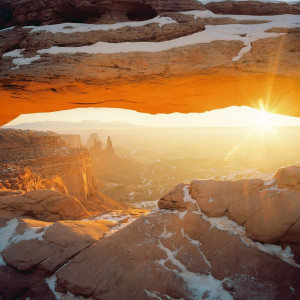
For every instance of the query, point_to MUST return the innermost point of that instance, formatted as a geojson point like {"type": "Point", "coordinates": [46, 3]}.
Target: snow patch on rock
{"type": "Point", "coordinates": [69, 28]}
{"type": "Point", "coordinates": [270, 182]}
{"type": "Point", "coordinates": [19, 59]}
{"type": "Point", "coordinates": [200, 286]}
{"type": "Point", "coordinates": [8, 235]}
{"type": "Point", "coordinates": [246, 33]}
{"type": "Point", "coordinates": [225, 224]}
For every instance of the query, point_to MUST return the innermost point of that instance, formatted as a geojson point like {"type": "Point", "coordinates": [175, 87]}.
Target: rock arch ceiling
{"type": "Point", "coordinates": [186, 59]}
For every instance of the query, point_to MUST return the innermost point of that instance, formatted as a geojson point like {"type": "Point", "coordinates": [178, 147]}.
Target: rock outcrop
{"type": "Point", "coordinates": [188, 59]}
{"type": "Point", "coordinates": [72, 140]}
{"type": "Point", "coordinates": [39, 160]}
{"type": "Point", "coordinates": [32, 250]}
{"type": "Point", "coordinates": [45, 205]}
{"type": "Point", "coordinates": [258, 8]}
{"type": "Point", "coordinates": [184, 258]}
{"type": "Point", "coordinates": [185, 251]}
{"type": "Point", "coordinates": [269, 210]}
{"type": "Point", "coordinates": [90, 143]}
{"type": "Point", "coordinates": [174, 199]}
{"type": "Point", "coordinates": [15, 177]}
{"type": "Point", "coordinates": [23, 13]}
{"type": "Point", "coordinates": [58, 242]}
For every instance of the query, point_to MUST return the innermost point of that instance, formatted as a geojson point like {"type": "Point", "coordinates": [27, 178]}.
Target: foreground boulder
{"type": "Point", "coordinates": [56, 243]}
{"type": "Point", "coordinates": [177, 256]}
{"type": "Point", "coordinates": [180, 252]}
{"type": "Point", "coordinates": [269, 210]}
{"type": "Point", "coordinates": [288, 177]}
{"type": "Point", "coordinates": [46, 205]}
{"type": "Point", "coordinates": [32, 250]}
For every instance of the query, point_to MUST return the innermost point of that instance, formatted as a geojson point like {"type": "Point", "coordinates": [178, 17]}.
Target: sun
{"type": "Point", "coordinates": [264, 119]}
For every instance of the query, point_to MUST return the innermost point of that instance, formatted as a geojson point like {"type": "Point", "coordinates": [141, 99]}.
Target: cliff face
{"type": "Point", "coordinates": [15, 177]}
{"type": "Point", "coordinates": [72, 140]}
{"type": "Point", "coordinates": [36, 160]}
{"type": "Point", "coordinates": [74, 169]}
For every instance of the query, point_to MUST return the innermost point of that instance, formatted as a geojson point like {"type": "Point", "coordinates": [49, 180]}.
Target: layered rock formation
{"type": "Point", "coordinates": [196, 252]}
{"type": "Point", "coordinates": [34, 161]}
{"type": "Point", "coordinates": [258, 8]}
{"type": "Point", "coordinates": [22, 13]}
{"type": "Point", "coordinates": [24, 178]}
{"type": "Point", "coordinates": [187, 61]}
{"type": "Point", "coordinates": [45, 205]}
{"type": "Point", "coordinates": [72, 140]}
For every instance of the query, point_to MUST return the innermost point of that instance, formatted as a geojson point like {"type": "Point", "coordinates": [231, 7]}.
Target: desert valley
{"type": "Point", "coordinates": [149, 150]}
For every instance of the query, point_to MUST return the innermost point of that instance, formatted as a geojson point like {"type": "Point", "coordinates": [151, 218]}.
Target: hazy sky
{"type": "Point", "coordinates": [228, 117]}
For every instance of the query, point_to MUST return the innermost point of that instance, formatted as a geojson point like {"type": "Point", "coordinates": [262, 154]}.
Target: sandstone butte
{"type": "Point", "coordinates": [188, 72]}
{"type": "Point", "coordinates": [208, 240]}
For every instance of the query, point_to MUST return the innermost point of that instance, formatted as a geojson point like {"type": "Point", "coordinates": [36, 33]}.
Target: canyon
{"type": "Point", "coordinates": [211, 239]}
{"type": "Point", "coordinates": [211, 236]}
{"type": "Point", "coordinates": [32, 160]}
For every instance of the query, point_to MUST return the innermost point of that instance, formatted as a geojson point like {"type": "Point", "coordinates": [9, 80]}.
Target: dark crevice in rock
{"type": "Point", "coordinates": [141, 13]}
{"type": "Point", "coordinates": [104, 101]}
{"type": "Point", "coordinates": [287, 231]}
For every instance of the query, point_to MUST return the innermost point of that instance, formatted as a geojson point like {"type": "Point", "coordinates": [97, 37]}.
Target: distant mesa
{"type": "Point", "coordinates": [93, 137]}
{"type": "Point", "coordinates": [72, 140]}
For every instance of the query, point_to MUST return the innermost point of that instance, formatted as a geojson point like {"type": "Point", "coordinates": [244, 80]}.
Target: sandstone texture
{"type": "Point", "coordinates": [247, 249]}
{"type": "Point", "coordinates": [32, 250]}
{"type": "Point", "coordinates": [179, 260]}
{"type": "Point", "coordinates": [253, 8]}
{"type": "Point", "coordinates": [178, 79]}
{"type": "Point", "coordinates": [14, 177]}
{"type": "Point", "coordinates": [72, 140]}
{"type": "Point", "coordinates": [173, 200]}
{"type": "Point", "coordinates": [269, 210]}
{"type": "Point", "coordinates": [91, 11]}
{"type": "Point", "coordinates": [43, 205]}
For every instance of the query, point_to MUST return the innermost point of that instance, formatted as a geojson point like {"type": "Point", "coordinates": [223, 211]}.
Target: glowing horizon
{"type": "Point", "coordinates": [234, 116]}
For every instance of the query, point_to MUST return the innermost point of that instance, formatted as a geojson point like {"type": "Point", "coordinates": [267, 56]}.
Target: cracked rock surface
{"type": "Point", "coordinates": [183, 250]}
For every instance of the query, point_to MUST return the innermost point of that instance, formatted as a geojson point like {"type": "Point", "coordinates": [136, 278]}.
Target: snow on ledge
{"type": "Point", "coordinates": [69, 28]}
{"type": "Point", "coordinates": [246, 33]}
{"type": "Point", "coordinates": [9, 236]}
{"type": "Point", "coordinates": [19, 59]}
